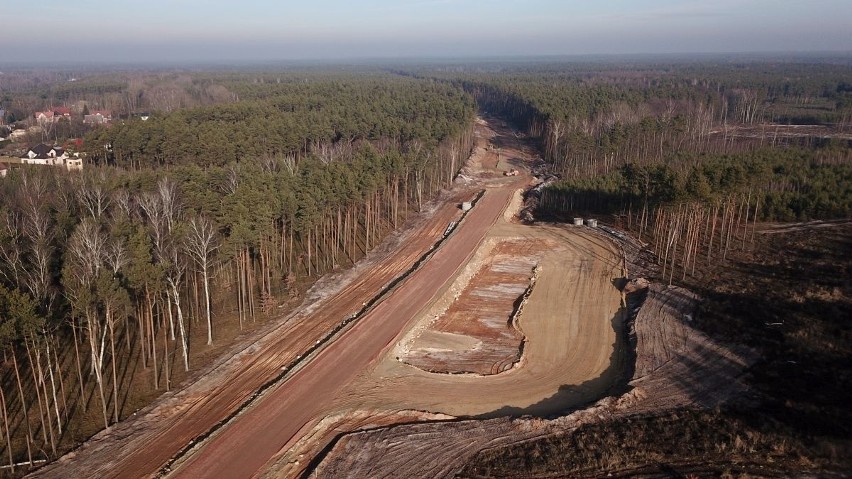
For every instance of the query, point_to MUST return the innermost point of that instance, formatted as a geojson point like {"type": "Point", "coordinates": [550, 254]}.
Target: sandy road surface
{"type": "Point", "coordinates": [253, 438]}
{"type": "Point", "coordinates": [573, 351]}
{"type": "Point", "coordinates": [571, 356]}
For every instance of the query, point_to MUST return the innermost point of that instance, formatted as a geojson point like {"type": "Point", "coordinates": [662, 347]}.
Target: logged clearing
{"type": "Point", "coordinates": [500, 319]}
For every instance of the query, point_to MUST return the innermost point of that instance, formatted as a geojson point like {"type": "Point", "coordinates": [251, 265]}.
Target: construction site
{"type": "Point", "coordinates": [469, 329]}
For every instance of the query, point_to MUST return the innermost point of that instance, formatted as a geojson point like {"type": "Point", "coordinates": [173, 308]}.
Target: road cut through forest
{"type": "Point", "coordinates": [571, 350]}
{"type": "Point", "coordinates": [571, 324]}
{"type": "Point", "coordinates": [569, 330]}
{"type": "Point", "coordinates": [258, 434]}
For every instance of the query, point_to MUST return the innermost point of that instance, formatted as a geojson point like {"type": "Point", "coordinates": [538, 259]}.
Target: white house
{"type": "Point", "coordinates": [42, 154]}
{"type": "Point", "coordinates": [43, 117]}
{"type": "Point", "coordinates": [98, 118]}
{"type": "Point", "coordinates": [74, 163]}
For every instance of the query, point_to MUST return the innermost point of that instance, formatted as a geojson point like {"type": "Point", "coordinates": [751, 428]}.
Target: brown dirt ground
{"type": "Point", "coordinates": [476, 333]}
{"type": "Point", "coordinates": [676, 366]}
{"type": "Point", "coordinates": [288, 411]}
{"type": "Point", "coordinates": [573, 350]}
{"type": "Point", "coordinates": [570, 323]}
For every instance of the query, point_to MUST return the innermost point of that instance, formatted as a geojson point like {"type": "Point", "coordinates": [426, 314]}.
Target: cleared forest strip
{"type": "Point", "coordinates": [147, 441]}
{"type": "Point", "coordinates": [265, 428]}
{"type": "Point", "coordinates": [295, 456]}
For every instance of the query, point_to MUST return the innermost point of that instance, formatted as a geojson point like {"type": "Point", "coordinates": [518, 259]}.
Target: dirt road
{"type": "Point", "coordinates": [571, 351]}
{"type": "Point", "coordinates": [246, 445]}
{"type": "Point", "coordinates": [144, 443]}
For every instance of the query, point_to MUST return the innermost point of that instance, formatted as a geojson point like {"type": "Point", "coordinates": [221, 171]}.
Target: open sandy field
{"type": "Point", "coordinates": [570, 323]}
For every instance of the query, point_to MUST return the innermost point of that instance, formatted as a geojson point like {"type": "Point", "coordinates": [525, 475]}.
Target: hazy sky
{"type": "Point", "coordinates": [210, 30]}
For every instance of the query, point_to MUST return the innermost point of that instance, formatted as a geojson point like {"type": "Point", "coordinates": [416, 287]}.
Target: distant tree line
{"type": "Point", "coordinates": [658, 146]}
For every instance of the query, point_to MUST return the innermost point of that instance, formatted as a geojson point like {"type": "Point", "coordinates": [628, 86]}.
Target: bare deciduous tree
{"type": "Point", "coordinates": [200, 244]}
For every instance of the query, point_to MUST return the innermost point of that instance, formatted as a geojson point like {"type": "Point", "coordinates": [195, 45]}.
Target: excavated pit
{"type": "Point", "coordinates": [476, 332]}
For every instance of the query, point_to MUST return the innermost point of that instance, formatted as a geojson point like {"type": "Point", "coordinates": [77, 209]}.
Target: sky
{"type": "Point", "coordinates": [267, 30]}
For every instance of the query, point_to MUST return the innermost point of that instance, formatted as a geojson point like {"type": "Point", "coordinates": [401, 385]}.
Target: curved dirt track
{"type": "Point", "coordinates": [571, 355]}
{"type": "Point", "coordinates": [676, 366]}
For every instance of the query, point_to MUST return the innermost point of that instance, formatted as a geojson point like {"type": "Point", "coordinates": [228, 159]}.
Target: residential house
{"type": "Point", "coordinates": [99, 117]}
{"type": "Point", "coordinates": [52, 115]}
{"type": "Point", "coordinates": [4, 170]}
{"type": "Point", "coordinates": [43, 117]}
{"type": "Point", "coordinates": [42, 154]}
{"type": "Point", "coordinates": [74, 163]}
